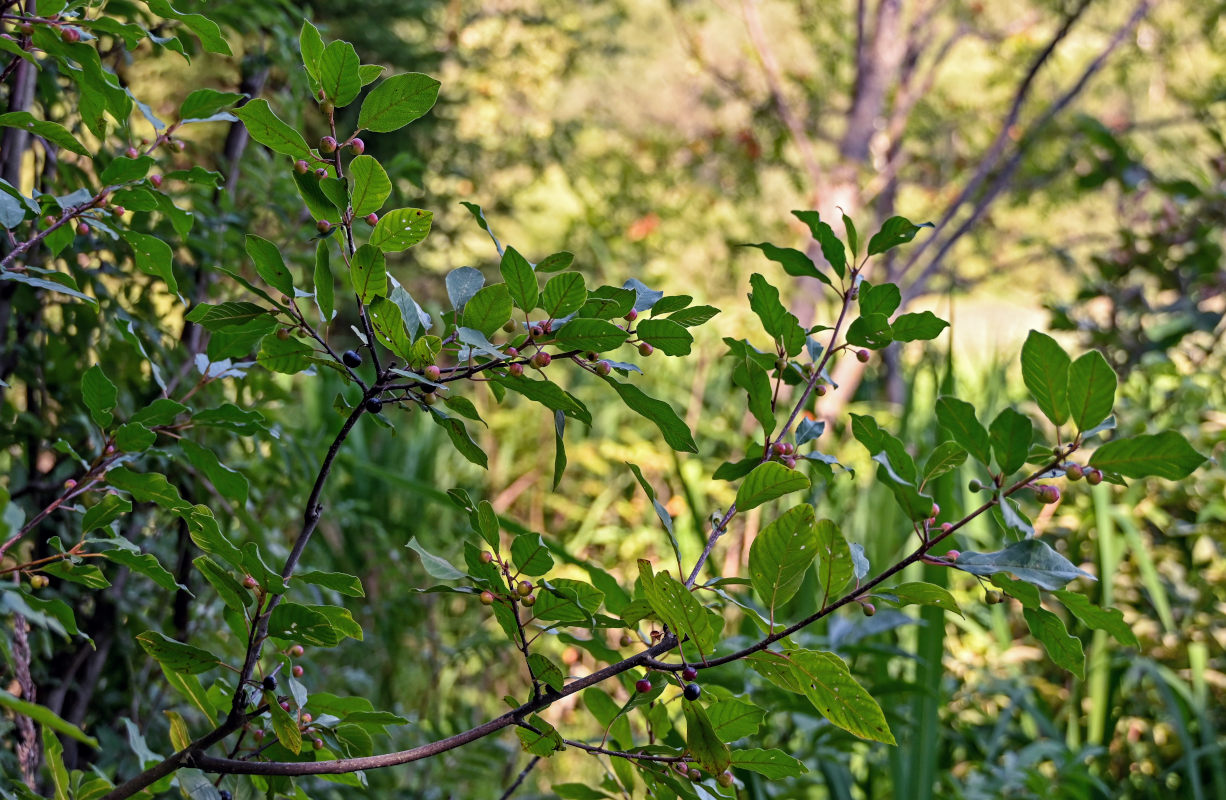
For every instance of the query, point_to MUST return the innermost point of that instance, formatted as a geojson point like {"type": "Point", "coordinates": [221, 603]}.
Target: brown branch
{"type": "Point", "coordinates": [519, 780]}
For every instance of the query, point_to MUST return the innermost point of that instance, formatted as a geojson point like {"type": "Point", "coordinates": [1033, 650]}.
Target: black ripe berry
{"type": "Point", "coordinates": [692, 691]}
{"type": "Point", "coordinates": [352, 359]}
{"type": "Point", "coordinates": [270, 683]}
{"type": "Point", "coordinates": [374, 405]}
{"type": "Point", "coordinates": [689, 674]}
{"type": "Point", "coordinates": [224, 794]}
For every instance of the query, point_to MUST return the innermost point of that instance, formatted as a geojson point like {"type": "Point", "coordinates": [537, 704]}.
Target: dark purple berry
{"type": "Point", "coordinates": [374, 405]}
{"type": "Point", "coordinates": [689, 674]}
{"type": "Point", "coordinates": [352, 359]}
{"type": "Point", "coordinates": [692, 691]}
{"type": "Point", "coordinates": [270, 683]}
{"type": "Point", "coordinates": [642, 685]}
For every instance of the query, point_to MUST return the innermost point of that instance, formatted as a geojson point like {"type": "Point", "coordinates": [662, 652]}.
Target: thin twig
{"type": "Point", "coordinates": [523, 774]}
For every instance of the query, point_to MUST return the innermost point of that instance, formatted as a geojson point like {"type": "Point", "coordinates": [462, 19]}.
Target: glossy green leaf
{"type": "Point", "coordinates": [1091, 390]}
{"type": "Point", "coordinates": [1062, 648]}
{"type": "Point", "coordinates": [590, 334]}
{"type": "Point", "coordinates": [230, 483]}
{"type": "Point", "coordinates": [45, 717]}
{"type": "Point", "coordinates": [835, 567]}
{"type": "Point", "coordinates": [205, 29]}
{"type": "Point", "coordinates": [826, 681]}
{"type": "Point", "coordinates": [773, 764]}
{"type": "Point", "coordinates": [711, 753]}
{"type": "Point", "coordinates": [51, 131]}
{"type": "Point", "coordinates": [530, 555]}
{"type": "Point", "coordinates": [371, 186]}
{"type": "Point", "coordinates": [895, 231]}
{"type": "Point", "coordinates": [488, 309]}
{"type": "Point", "coordinates": [227, 587]}
{"type": "Point", "coordinates": [958, 417]}
{"type": "Point", "coordinates": [152, 256]}
{"type": "Point", "coordinates": [270, 265]}
{"type": "Point", "coordinates": [267, 129]}
{"type": "Point", "coordinates": [223, 315]}
{"type": "Point", "coordinates": [338, 73]}
{"type": "Point", "coordinates": [176, 656]}
{"type": "Point", "coordinates": [924, 594]}
{"type": "Point", "coordinates": [679, 609]}
{"type": "Point", "coordinates": [665, 518]}
{"type": "Point", "coordinates": [435, 566]}
{"type": "Point", "coordinates": [757, 384]}
{"type": "Point", "coordinates": [110, 508]}
{"type": "Point", "coordinates": [564, 294]}
{"type": "Point", "coordinates": [674, 430]}
{"type": "Point", "coordinates": [147, 487]}
{"type": "Point", "coordinates": [666, 336]}
{"type": "Point", "coordinates": [870, 330]}
{"type": "Point", "coordinates": [793, 261]}
{"type": "Point", "coordinates": [1045, 371]}
{"type": "Point", "coordinates": [768, 481]}
{"type": "Point", "coordinates": [324, 286]}
{"type": "Point", "coordinates": [285, 727]}
{"type": "Point", "coordinates": [920, 326]}
{"type": "Point", "coordinates": [125, 170]}
{"type": "Point", "coordinates": [204, 104]}
{"type": "Point", "coordinates": [303, 624]}
{"type": "Point", "coordinates": [832, 248]}
{"type": "Point", "coordinates": [780, 556]}
{"type": "Point", "coordinates": [1031, 560]}
{"type": "Point", "coordinates": [368, 273]}
{"type": "Point", "coordinates": [288, 356]}
{"type": "Point", "coordinates": [398, 101]}
{"type": "Point", "coordinates": [460, 439]}
{"type": "Point", "coordinates": [1110, 620]}
{"type": "Point", "coordinates": [547, 394]}
{"type": "Point", "coordinates": [1164, 455]}
{"type": "Point", "coordinates": [389, 327]}
{"type": "Point", "coordinates": [401, 228]}
{"type": "Point", "coordinates": [520, 279]}
{"type": "Point", "coordinates": [732, 718]}
{"type": "Point", "coordinates": [99, 394]}
{"type": "Point", "coordinates": [1010, 435]}
{"type": "Point", "coordinates": [945, 457]}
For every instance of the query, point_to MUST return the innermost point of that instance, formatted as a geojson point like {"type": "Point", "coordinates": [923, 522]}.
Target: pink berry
{"type": "Point", "coordinates": [372, 219]}
{"type": "Point", "coordinates": [83, 229]}
{"type": "Point", "coordinates": [357, 146]}
{"type": "Point", "coordinates": [432, 373]}
{"type": "Point", "coordinates": [603, 368]}
{"type": "Point", "coordinates": [297, 650]}
{"type": "Point", "coordinates": [323, 226]}
{"type": "Point", "coordinates": [321, 173]}
{"type": "Point", "coordinates": [946, 527]}
{"type": "Point", "coordinates": [952, 555]}
{"type": "Point", "coordinates": [862, 356]}
{"type": "Point", "coordinates": [156, 180]}
{"type": "Point", "coordinates": [632, 316]}
{"type": "Point", "coordinates": [297, 671]}
{"type": "Point", "coordinates": [789, 462]}
{"type": "Point", "coordinates": [70, 35]}
{"type": "Point", "coordinates": [327, 145]}
{"type": "Point", "coordinates": [301, 167]}
{"type": "Point", "coordinates": [516, 369]}
{"type": "Point", "coordinates": [132, 152]}
{"type": "Point", "coordinates": [541, 360]}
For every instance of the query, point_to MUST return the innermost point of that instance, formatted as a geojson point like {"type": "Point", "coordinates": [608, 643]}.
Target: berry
{"type": "Point", "coordinates": [646, 349]}
{"type": "Point", "coordinates": [682, 768]}
{"type": "Point", "coordinates": [862, 356]}
{"type": "Point", "coordinates": [38, 581]}
{"type": "Point", "coordinates": [642, 685]}
{"type": "Point", "coordinates": [529, 600]}
{"type": "Point", "coordinates": [321, 173]}
{"type": "Point", "coordinates": [509, 326]}
{"type": "Point", "coordinates": [327, 107]}
{"type": "Point", "coordinates": [788, 461]}
{"type": "Point", "coordinates": [156, 180]}
{"type": "Point", "coordinates": [512, 352]}
{"type": "Point", "coordinates": [117, 210]}
{"type": "Point", "coordinates": [820, 389]}
{"type": "Point", "coordinates": [725, 778]}
{"type": "Point", "coordinates": [487, 598]}
{"type": "Point", "coordinates": [603, 368]}
{"type": "Point", "coordinates": [319, 744]}
{"type": "Point", "coordinates": [691, 691]}
{"type": "Point", "coordinates": [535, 331]}
{"type": "Point", "coordinates": [301, 167]}
{"type": "Point", "coordinates": [625, 641]}
{"type": "Point", "coordinates": [689, 674]}
{"type": "Point", "coordinates": [994, 597]}
{"type": "Point", "coordinates": [781, 364]}
{"type": "Point", "coordinates": [1094, 477]}
{"type": "Point", "coordinates": [975, 485]}
{"type": "Point", "coordinates": [935, 510]}
{"type": "Point", "coordinates": [323, 226]}
{"type": "Point", "coordinates": [258, 734]}
{"type": "Point", "coordinates": [83, 229]}
{"type": "Point", "coordinates": [778, 449]}
{"type": "Point", "coordinates": [486, 557]}
{"type": "Point", "coordinates": [70, 35]}
{"type": "Point", "coordinates": [1047, 494]}
{"type": "Point", "coordinates": [282, 333]}
{"type": "Point", "coordinates": [432, 372]}
{"type": "Point", "coordinates": [132, 152]}
{"type": "Point", "coordinates": [372, 219]}
{"type": "Point", "coordinates": [516, 369]}
{"type": "Point", "coordinates": [25, 28]}
{"type": "Point", "coordinates": [695, 774]}
{"type": "Point", "coordinates": [250, 582]}
{"type": "Point", "coordinates": [327, 145]}
{"type": "Point", "coordinates": [357, 146]}
{"type": "Point", "coordinates": [307, 717]}
{"type": "Point", "coordinates": [952, 555]}
{"type": "Point", "coordinates": [224, 794]}
{"type": "Point", "coordinates": [524, 588]}
{"type": "Point", "coordinates": [374, 405]}
{"type": "Point", "coordinates": [788, 448]}
{"type": "Point", "coordinates": [270, 683]}
{"type": "Point", "coordinates": [352, 359]}
{"type": "Point", "coordinates": [632, 315]}
{"type": "Point", "coordinates": [1074, 472]}
{"type": "Point", "coordinates": [297, 650]}
{"type": "Point", "coordinates": [946, 527]}
{"type": "Point", "coordinates": [868, 608]}
{"type": "Point", "coordinates": [541, 360]}
{"type": "Point", "coordinates": [284, 705]}
{"type": "Point", "coordinates": [297, 671]}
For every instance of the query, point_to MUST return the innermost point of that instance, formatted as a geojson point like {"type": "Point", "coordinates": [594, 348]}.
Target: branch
{"type": "Point", "coordinates": [523, 774]}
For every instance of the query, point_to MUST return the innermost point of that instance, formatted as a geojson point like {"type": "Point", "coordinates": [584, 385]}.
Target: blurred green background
{"type": "Point", "coordinates": [1073, 156]}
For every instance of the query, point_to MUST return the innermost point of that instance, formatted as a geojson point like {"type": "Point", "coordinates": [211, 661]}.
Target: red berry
{"type": "Point", "coordinates": [83, 229]}
{"type": "Point", "coordinates": [689, 674]}
{"type": "Point", "coordinates": [284, 705]}
{"type": "Point", "coordinates": [789, 462]}
{"type": "Point", "coordinates": [297, 671]}
{"type": "Point", "coordinates": [70, 35]}
{"type": "Point", "coordinates": [321, 173]}
{"type": "Point", "coordinates": [862, 356]}
{"type": "Point", "coordinates": [301, 167]}
{"type": "Point", "coordinates": [117, 210]}
{"type": "Point", "coordinates": [946, 527]}
{"type": "Point", "coordinates": [327, 145]}
{"type": "Point", "coordinates": [516, 369]}
{"type": "Point", "coordinates": [250, 582]}
{"type": "Point", "coordinates": [432, 373]}
{"type": "Point", "coordinates": [820, 389]}
{"type": "Point", "coordinates": [603, 368]}
{"type": "Point", "coordinates": [132, 152]}
{"type": "Point", "coordinates": [512, 352]}
{"type": "Point", "coordinates": [1048, 494]}
{"type": "Point", "coordinates": [788, 448]}
{"type": "Point", "coordinates": [372, 219]}
{"type": "Point", "coordinates": [935, 510]}
{"type": "Point", "coordinates": [642, 685]}
{"type": "Point", "coordinates": [297, 650]}
{"type": "Point", "coordinates": [258, 734]}
{"type": "Point", "coordinates": [778, 449]}
{"type": "Point", "coordinates": [952, 555]}
{"type": "Point", "coordinates": [632, 316]}
{"type": "Point", "coordinates": [1094, 477]}
{"type": "Point", "coordinates": [646, 349]}
{"type": "Point", "coordinates": [357, 146]}
{"type": "Point", "coordinates": [323, 226]}
{"type": "Point", "coordinates": [156, 180]}
{"type": "Point", "coordinates": [541, 360]}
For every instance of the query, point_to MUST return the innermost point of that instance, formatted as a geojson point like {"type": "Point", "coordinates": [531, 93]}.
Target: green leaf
{"type": "Point", "coordinates": [711, 753]}
{"type": "Point", "coordinates": [774, 764]}
{"type": "Point", "coordinates": [555, 262]}
{"type": "Point", "coordinates": [398, 101]}
{"type": "Point", "coordinates": [302, 624]}
{"type": "Point", "coordinates": [661, 512]}
{"type": "Point", "coordinates": [488, 309]}
{"type": "Point", "coordinates": [883, 299]}
{"type": "Point", "coordinates": [530, 555]}
{"type": "Point", "coordinates": [733, 718]}
{"type": "Point", "coordinates": [323, 280]}
{"type": "Point", "coordinates": [435, 566]}
{"type": "Point", "coordinates": [152, 256]}
{"type": "Point", "coordinates": [1031, 560]}
{"type": "Point", "coordinates": [311, 45]}
{"type": "Point", "coordinates": [205, 29]}
{"type": "Point", "coordinates": [204, 104]}
{"type": "Point", "coordinates": [230, 483]}
{"type": "Point", "coordinates": [945, 457]}
{"type": "Point", "coordinates": [826, 681]}
{"type": "Point", "coordinates": [547, 394]}
{"type": "Point", "coordinates": [780, 556]}
{"type": "Point", "coordinates": [176, 656]}
{"type": "Point", "coordinates": [228, 589]}
{"type": "Point", "coordinates": [286, 727]}
{"type": "Point", "coordinates": [912, 327]}
{"type": "Point", "coordinates": [832, 248]}
{"type": "Point", "coordinates": [110, 508]}
{"type": "Point", "coordinates": [546, 671]}
{"type": "Point", "coordinates": [368, 273]}
{"type": "Point", "coordinates": [1110, 620]}
{"type": "Point", "coordinates": [1091, 390]}
{"type": "Point", "coordinates": [389, 327]}
{"type": "Point", "coordinates": [1165, 455]}
{"type": "Point", "coordinates": [267, 129]}
{"type": "Point", "coordinates": [401, 228]}
{"type": "Point", "coordinates": [45, 717]}
{"type": "Point", "coordinates": [676, 434]}
{"type": "Point", "coordinates": [223, 315]}
{"type": "Point", "coordinates": [870, 330]}
{"type": "Point", "coordinates": [756, 383]}
{"type": "Point", "coordinates": [338, 73]}
{"type": "Point", "coordinates": [206, 535]}
{"type": "Point", "coordinates": [835, 567]}
{"type": "Point", "coordinates": [371, 186]}
{"type": "Point", "coordinates": [520, 279]}
{"type": "Point", "coordinates": [288, 356]}
{"type": "Point", "coordinates": [1011, 433]}
{"type": "Point", "coordinates": [348, 585]}
{"type": "Point", "coordinates": [542, 740]}
{"type": "Point", "coordinates": [793, 261]}
{"type": "Point", "coordinates": [564, 294]}
{"type": "Point", "coordinates": [924, 594]}
{"type": "Point", "coordinates": [777, 321]}
{"type": "Point", "coordinates": [677, 607]}
{"type": "Point", "coordinates": [125, 170]}
{"type": "Point", "coordinates": [460, 438]}
{"type": "Point", "coordinates": [134, 438]}
{"type": "Point", "coordinates": [694, 315]}
{"type": "Point", "coordinates": [895, 231]}
{"type": "Point", "coordinates": [1062, 648]}
{"type": "Point", "coordinates": [590, 334]}
{"type": "Point", "coordinates": [958, 417]}
{"type": "Point", "coordinates": [53, 132]}
{"type": "Point", "coordinates": [99, 394]}
{"type": "Point", "coordinates": [53, 753]}
{"type": "Point", "coordinates": [147, 487]}
{"type": "Point", "coordinates": [1009, 514]}
{"type": "Point", "coordinates": [768, 481]}
{"type": "Point", "coordinates": [269, 264]}
{"type": "Point", "coordinates": [667, 336]}
{"type": "Point", "coordinates": [1045, 371]}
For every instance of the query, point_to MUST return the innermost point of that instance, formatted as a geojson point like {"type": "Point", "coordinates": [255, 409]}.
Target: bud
{"type": "Point", "coordinates": [946, 527]}
{"type": "Point", "coordinates": [975, 485]}
{"type": "Point", "coordinates": [820, 389]}
{"type": "Point", "coordinates": [70, 35]}
{"type": "Point", "coordinates": [789, 462]}
{"type": "Point", "coordinates": [516, 369]}
{"type": "Point", "coordinates": [487, 598]}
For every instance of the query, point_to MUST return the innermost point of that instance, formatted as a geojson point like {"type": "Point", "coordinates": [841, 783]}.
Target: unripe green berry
{"type": "Point", "coordinates": [994, 597]}
{"type": "Point", "coordinates": [1094, 477]}
{"type": "Point", "coordinates": [603, 368]}
{"type": "Point", "coordinates": [283, 333]}
{"type": "Point", "coordinates": [868, 608]}
{"type": "Point", "coordinates": [430, 399]}
{"type": "Point", "coordinates": [509, 326]}
{"type": "Point", "coordinates": [487, 598]}
{"type": "Point", "coordinates": [625, 640]}
{"type": "Point", "coordinates": [724, 779]}
{"type": "Point", "coordinates": [781, 364]}
{"type": "Point", "coordinates": [486, 557]}
{"type": "Point", "coordinates": [695, 774]}
{"type": "Point", "coordinates": [327, 107]}
{"type": "Point", "coordinates": [821, 389]}
{"type": "Point", "coordinates": [975, 485]}
{"type": "Point", "coordinates": [327, 145]}
{"type": "Point", "coordinates": [319, 744]}
{"type": "Point", "coordinates": [529, 600]}
{"type": "Point", "coordinates": [1074, 472]}
{"type": "Point", "coordinates": [38, 581]}
{"type": "Point", "coordinates": [323, 226]}
{"type": "Point", "coordinates": [523, 588]}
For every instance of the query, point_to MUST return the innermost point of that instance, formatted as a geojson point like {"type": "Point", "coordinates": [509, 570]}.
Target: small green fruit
{"type": "Point", "coordinates": [529, 600]}
{"type": "Point", "coordinates": [724, 779]}
{"type": "Point", "coordinates": [695, 774]}
{"type": "Point", "coordinates": [781, 364]}
{"type": "Point", "coordinates": [327, 145]}
{"type": "Point", "coordinates": [603, 368]}
{"type": "Point", "coordinates": [509, 326]}
{"type": "Point", "coordinates": [1074, 472]}
{"type": "Point", "coordinates": [323, 226]}
{"type": "Point", "coordinates": [487, 598]}
{"type": "Point", "coordinates": [869, 609]}
{"type": "Point", "coordinates": [1094, 477]}
{"type": "Point", "coordinates": [975, 485]}
{"type": "Point", "coordinates": [38, 581]}
{"type": "Point", "coordinates": [994, 597]}
{"type": "Point", "coordinates": [486, 557]}
{"type": "Point", "coordinates": [524, 588]}
{"type": "Point", "coordinates": [821, 389]}
{"type": "Point", "coordinates": [625, 640]}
